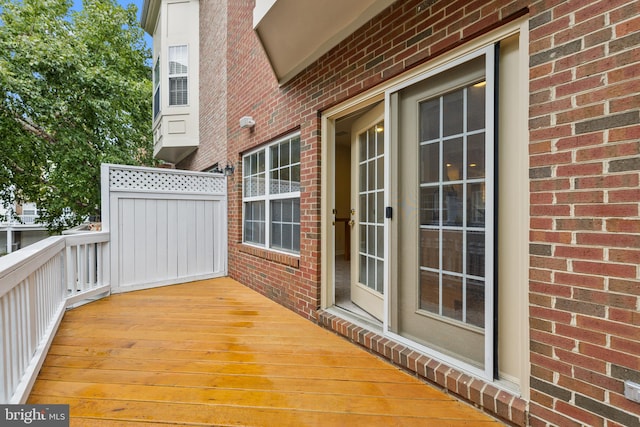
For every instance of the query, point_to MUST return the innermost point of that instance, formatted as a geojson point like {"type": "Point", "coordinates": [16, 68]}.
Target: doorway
{"type": "Point", "coordinates": [358, 212]}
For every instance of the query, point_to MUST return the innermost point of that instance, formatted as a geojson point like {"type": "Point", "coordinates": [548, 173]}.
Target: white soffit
{"type": "Point", "coordinates": [294, 33]}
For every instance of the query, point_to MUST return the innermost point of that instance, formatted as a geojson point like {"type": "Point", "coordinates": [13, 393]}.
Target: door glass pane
{"type": "Point", "coordinates": [475, 253]}
{"type": "Point", "coordinates": [452, 297]}
{"type": "Point", "coordinates": [430, 119]}
{"type": "Point", "coordinates": [430, 248]}
{"type": "Point", "coordinates": [452, 249]}
{"type": "Point", "coordinates": [475, 302]}
{"type": "Point", "coordinates": [475, 204]}
{"type": "Point", "coordinates": [476, 106]}
{"type": "Point", "coordinates": [453, 166]}
{"type": "Point", "coordinates": [430, 206]}
{"type": "Point", "coordinates": [475, 156]}
{"type": "Point", "coordinates": [430, 291]}
{"type": "Point", "coordinates": [371, 216]}
{"type": "Point", "coordinates": [429, 163]}
{"type": "Point", "coordinates": [452, 204]}
{"type": "Point", "coordinates": [452, 113]}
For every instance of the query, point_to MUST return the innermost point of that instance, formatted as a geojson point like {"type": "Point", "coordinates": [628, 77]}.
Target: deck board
{"type": "Point", "coordinates": [217, 353]}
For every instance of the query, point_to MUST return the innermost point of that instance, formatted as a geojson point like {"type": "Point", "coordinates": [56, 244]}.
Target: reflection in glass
{"type": "Point", "coordinates": [430, 248]}
{"type": "Point", "coordinates": [476, 204]}
{"type": "Point", "coordinates": [429, 291]}
{"type": "Point", "coordinates": [452, 160]}
{"type": "Point", "coordinates": [430, 119]}
{"type": "Point", "coordinates": [452, 113]}
{"type": "Point", "coordinates": [476, 107]}
{"type": "Point", "coordinates": [429, 162]}
{"type": "Point", "coordinates": [475, 156]}
{"type": "Point", "coordinates": [475, 302]}
{"type": "Point", "coordinates": [452, 203]}
{"type": "Point", "coordinates": [452, 297]}
{"type": "Point", "coordinates": [429, 206]}
{"type": "Point", "coordinates": [475, 253]}
{"type": "Point", "coordinates": [452, 251]}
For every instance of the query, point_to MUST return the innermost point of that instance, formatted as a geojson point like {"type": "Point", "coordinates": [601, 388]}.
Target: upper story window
{"type": "Point", "coordinates": [178, 75]}
{"type": "Point", "coordinates": [271, 195]}
{"type": "Point", "coordinates": [156, 88]}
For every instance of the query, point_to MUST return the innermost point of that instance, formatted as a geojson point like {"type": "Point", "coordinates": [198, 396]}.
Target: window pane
{"type": "Point", "coordinates": [430, 206]}
{"type": "Point", "coordinates": [430, 119]}
{"type": "Point", "coordinates": [476, 106]}
{"type": "Point", "coordinates": [475, 156]}
{"type": "Point", "coordinates": [178, 91]}
{"type": "Point", "coordinates": [452, 113]}
{"type": "Point", "coordinates": [475, 253]}
{"type": "Point", "coordinates": [363, 238]}
{"type": "Point", "coordinates": [380, 207]}
{"type": "Point", "coordinates": [429, 163]}
{"type": "Point", "coordinates": [295, 150]}
{"type": "Point", "coordinates": [452, 296]}
{"type": "Point", "coordinates": [429, 291]}
{"type": "Point", "coordinates": [452, 249]}
{"type": "Point", "coordinates": [475, 204]}
{"type": "Point", "coordinates": [178, 60]}
{"type": "Point", "coordinates": [254, 222]}
{"type": "Point", "coordinates": [475, 302]}
{"type": "Point", "coordinates": [363, 208]}
{"type": "Point", "coordinates": [380, 276]}
{"type": "Point", "coordinates": [363, 177]}
{"type": "Point", "coordinates": [362, 278]}
{"type": "Point", "coordinates": [430, 249]}
{"type": "Point", "coordinates": [452, 158]}
{"type": "Point", "coordinates": [380, 173]}
{"type": "Point", "coordinates": [275, 156]}
{"type": "Point", "coordinates": [296, 211]}
{"type": "Point", "coordinates": [452, 202]}
{"type": "Point", "coordinates": [380, 138]}
{"type": "Point", "coordinates": [296, 238]}
{"type": "Point", "coordinates": [285, 227]}
{"type": "Point", "coordinates": [380, 239]}
{"type": "Point", "coordinates": [295, 178]}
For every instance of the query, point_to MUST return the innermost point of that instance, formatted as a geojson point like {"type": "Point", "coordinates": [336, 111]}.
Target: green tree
{"type": "Point", "coordinates": [76, 92]}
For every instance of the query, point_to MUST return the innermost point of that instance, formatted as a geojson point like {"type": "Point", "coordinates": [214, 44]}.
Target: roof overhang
{"type": "Point", "coordinates": [149, 16]}
{"type": "Point", "coordinates": [295, 33]}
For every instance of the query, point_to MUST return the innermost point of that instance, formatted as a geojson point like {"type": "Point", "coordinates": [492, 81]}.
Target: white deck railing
{"type": "Point", "coordinates": [37, 284]}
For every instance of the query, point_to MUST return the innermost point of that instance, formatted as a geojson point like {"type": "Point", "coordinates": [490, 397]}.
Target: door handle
{"type": "Point", "coordinates": [351, 223]}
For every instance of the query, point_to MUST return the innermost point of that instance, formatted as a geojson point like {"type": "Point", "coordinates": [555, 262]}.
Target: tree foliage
{"type": "Point", "coordinates": [76, 93]}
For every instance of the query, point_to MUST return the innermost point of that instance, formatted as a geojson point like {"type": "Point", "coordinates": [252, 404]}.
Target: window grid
{"type": "Point", "coordinates": [278, 190]}
{"type": "Point", "coordinates": [371, 200]}
{"type": "Point", "coordinates": [443, 226]}
{"type": "Point", "coordinates": [178, 75]}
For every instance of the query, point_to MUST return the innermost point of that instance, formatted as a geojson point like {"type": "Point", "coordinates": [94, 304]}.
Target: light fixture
{"type": "Point", "coordinates": [480, 84]}
{"type": "Point", "coordinates": [228, 170]}
{"type": "Point", "coordinates": [247, 122]}
{"type": "Point", "coordinates": [472, 165]}
{"type": "Point", "coordinates": [379, 128]}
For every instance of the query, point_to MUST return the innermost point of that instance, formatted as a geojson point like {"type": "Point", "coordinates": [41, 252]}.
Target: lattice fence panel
{"type": "Point", "coordinates": [165, 182]}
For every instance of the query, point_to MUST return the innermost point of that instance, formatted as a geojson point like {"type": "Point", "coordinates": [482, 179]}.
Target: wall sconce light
{"type": "Point", "coordinates": [247, 122]}
{"type": "Point", "coordinates": [228, 170]}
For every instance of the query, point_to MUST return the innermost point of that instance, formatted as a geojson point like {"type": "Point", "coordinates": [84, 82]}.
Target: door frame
{"type": "Point", "coordinates": [329, 115]}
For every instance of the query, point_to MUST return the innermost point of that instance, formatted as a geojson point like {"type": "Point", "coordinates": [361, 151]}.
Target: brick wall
{"type": "Point", "coordinates": [213, 88]}
{"type": "Point", "coordinates": [585, 231]}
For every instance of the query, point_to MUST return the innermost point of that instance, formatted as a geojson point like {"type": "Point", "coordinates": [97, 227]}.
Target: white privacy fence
{"type": "Point", "coordinates": [159, 227]}
{"type": "Point", "coordinates": [37, 284]}
{"type": "Point", "coordinates": [167, 226]}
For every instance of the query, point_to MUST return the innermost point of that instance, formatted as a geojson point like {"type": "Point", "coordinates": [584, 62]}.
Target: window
{"type": "Point", "coordinates": [156, 89]}
{"type": "Point", "coordinates": [178, 77]}
{"type": "Point", "coordinates": [271, 195]}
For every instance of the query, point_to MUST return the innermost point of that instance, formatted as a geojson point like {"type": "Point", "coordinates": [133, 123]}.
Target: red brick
{"type": "Point", "coordinates": [579, 252]}
{"type": "Point", "coordinates": [579, 414]}
{"type": "Point", "coordinates": [611, 356]}
{"type": "Point", "coordinates": [608, 327]}
{"type": "Point", "coordinates": [605, 269]}
{"type": "Point", "coordinates": [608, 210]}
{"type": "Point", "coordinates": [580, 334]}
{"type": "Point", "coordinates": [585, 281]}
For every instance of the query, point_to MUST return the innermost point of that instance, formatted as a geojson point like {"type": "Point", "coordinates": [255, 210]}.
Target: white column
{"type": "Point", "coordinates": [9, 239]}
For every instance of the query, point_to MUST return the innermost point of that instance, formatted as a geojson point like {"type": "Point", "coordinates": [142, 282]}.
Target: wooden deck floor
{"type": "Point", "coordinates": [217, 353]}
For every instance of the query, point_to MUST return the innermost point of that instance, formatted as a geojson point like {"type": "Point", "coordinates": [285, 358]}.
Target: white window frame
{"type": "Point", "coordinates": [157, 106]}
{"type": "Point", "coordinates": [268, 198]}
{"type": "Point", "coordinates": [174, 76]}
